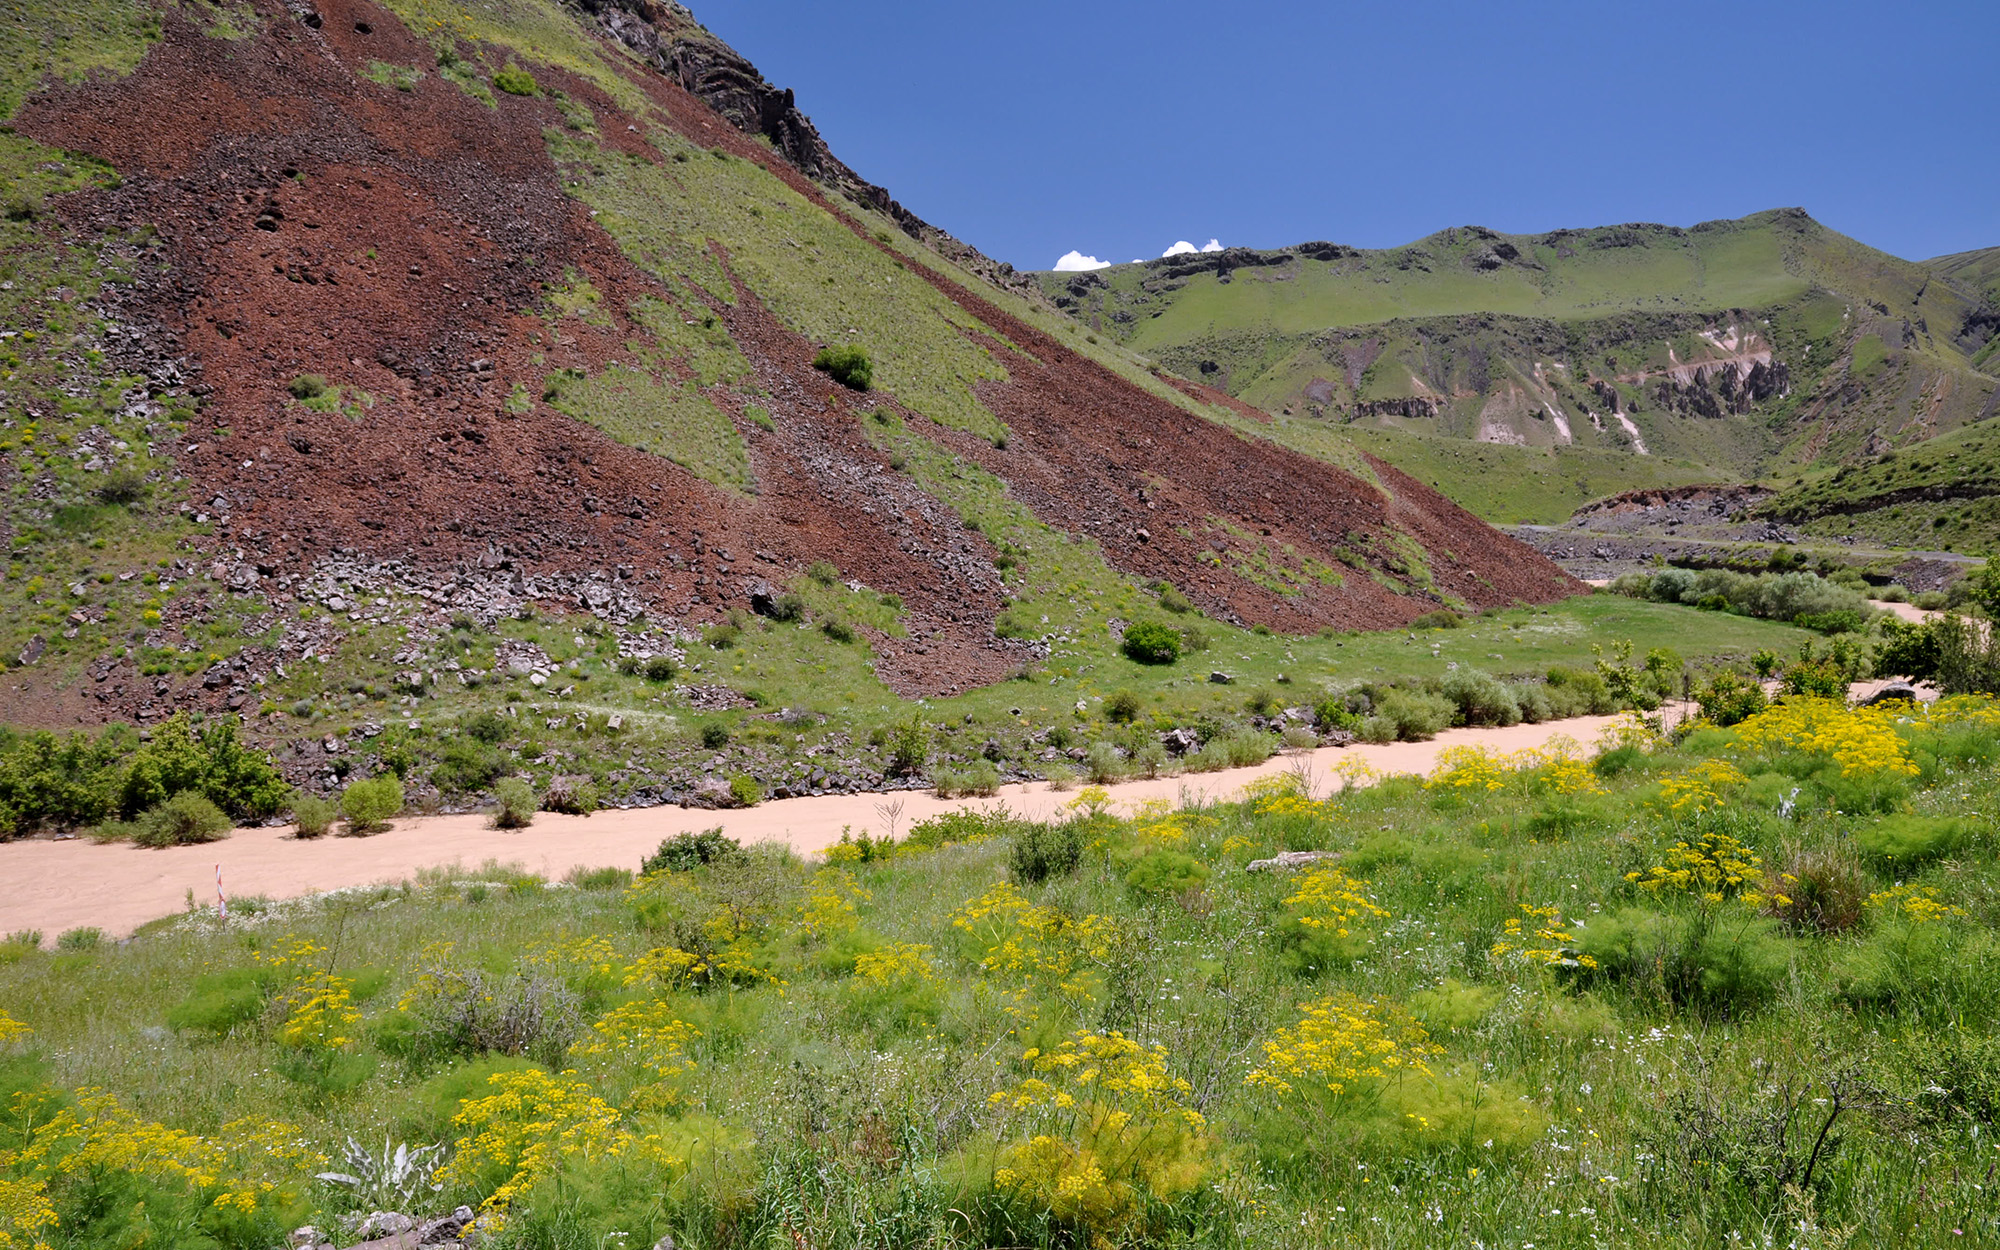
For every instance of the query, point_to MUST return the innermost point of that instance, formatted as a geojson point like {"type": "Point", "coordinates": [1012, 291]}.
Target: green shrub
{"type": "Point", "coordinates": [1722, 962]}
{"type": "Point", "coordinates": [1122, 708]}
{"type": "Point", "coordinates": [223, 1001]}
{"type": "Point", "coordinates": [965, 825]}
{"type": "Point", "coordinates": [369, 804]}
{"type": "Point", "coordinates": [787, 609]}
{"type": "Point", "coordinates": [60, 783]}
{"type": "Point", "coordinates": [1150, 642]}
{"type": "Point", "coordinates": [685, 852]}
{"type": "Point", "coordinates": [599, 878]}
{"type": "Point", "coordinates": [1585, 688]}
{"type": "Point", "coordinates": [515, 81]}
{"type": "Point", "coordinates": [467, 765]}
{"type": "Point", "coordinates": [909, 748]}
{"type": "Point", "coordinates": [977, 779]}
{"type": "Point", "coordinates": [81, 938]}
{"type": "Point", "coordinates": [307, 386]}
{"type": "Point", "coordinates": [1921, 969]}
{"type": "Point", "coordinates": [1481, 698]}
{"type": "Point", "coordinates": [1905, 841]}
{"type": "Point", "coordinates": [822, 573]}
{"type": "Point", "coordinates": [746, 790]}
{"type": "Point", "coordinates": [236, 778]}
{"type": "Point", "coordinates": [1042, 851]}
{"type": "Point", "coordinates": [1443, 618]}
{"type": "Point", "coordinates": [1728, 699]}
{"type": "Point", "coordinates": [1164, 871]}
{"type": "Point", "coordinates": [715, 735]}
{"type": "Point", "coordinates": [1102, 764]}
{"type": "Point", "coordinates": [660, 668]}
{"type": "Point", "coordinates": [517, 804]}
{"type": "Point", "coordinates": [488, 727]}
{"type": "Point", "coordinates": [1455, 1006]}
{"type": "Point", "coordinates": [183, 820]}
{"type": "Point", "coordinates": [1416, 716]}
{"type": "Point", "coordinates": [839, 631]}
{"type": "Point", "coordinates": [846, 364]}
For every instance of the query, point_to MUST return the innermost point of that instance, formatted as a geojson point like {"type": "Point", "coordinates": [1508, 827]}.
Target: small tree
{"type": "Point", "coordinates": [369, 804]}
{"type": "Point", "coordinates": [909, 747]}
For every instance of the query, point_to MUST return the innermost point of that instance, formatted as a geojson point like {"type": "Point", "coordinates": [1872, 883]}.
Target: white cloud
{"type": "Point", "coordinates": [1077, 262]}
{"type": "Point", "coordinates": [1214, 245]}
{"type": "Point", "coordinates": [1179, 249]}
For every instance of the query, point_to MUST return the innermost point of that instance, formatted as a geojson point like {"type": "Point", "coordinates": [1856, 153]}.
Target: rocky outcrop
{"type": "Point", "coordinates": [666, 35]}
{"type": "Point", "coordinates": [1414, 407]}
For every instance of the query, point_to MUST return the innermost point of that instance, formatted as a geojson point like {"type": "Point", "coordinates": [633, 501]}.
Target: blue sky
{"type": "Point", "coordinates": [1117, 128]}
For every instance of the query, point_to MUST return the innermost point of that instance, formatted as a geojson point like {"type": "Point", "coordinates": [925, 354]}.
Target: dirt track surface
{"type": "Point", "coordinates": [400, 242]}
{"type": "Point", "coordinates": [53, 886]}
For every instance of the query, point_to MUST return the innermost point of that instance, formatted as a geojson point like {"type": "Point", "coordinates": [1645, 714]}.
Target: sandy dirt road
{"type": "Point", "coordinates": [58, 885]}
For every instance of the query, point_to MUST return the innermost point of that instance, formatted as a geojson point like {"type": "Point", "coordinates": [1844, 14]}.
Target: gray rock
{"type": "Point", "coordinates": [1222, 679]}
{"type": "Point", "coordinates": [1895, 692]}
{"type": "Point", "coordinates": [1180, 741]}
{"type": "Point", "coordinates": [383, 1224]}
{"type": "Point", "coordinates": [1289, 859]}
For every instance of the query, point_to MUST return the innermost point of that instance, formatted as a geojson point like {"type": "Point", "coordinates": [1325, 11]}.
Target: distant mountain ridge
{"type": "Point", "coordinates": [1651, 354]}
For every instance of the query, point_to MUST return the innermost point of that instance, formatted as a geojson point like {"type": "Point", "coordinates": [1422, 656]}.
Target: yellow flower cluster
{"type": "Point", "coordinates": [898, 961]}
{"type": "Point", "coordinates": [1557, 766]}
{"type": "Point", "coordinates": [25, 1212]}
{"type": "Point", "coordinates": [1982, 710]}
{"type": "Point", "coordinates": [1703, 788]}
{"type": "Point", "coordinates": [1341, 1041]}
{"type": "Point", "coordinates": [647, 1030]}
{"type": "Point", "coordinates": [668, 967]}
{"type": "Point", "coordinates": [247, 1160]}
{"type": "Point", "coordinates": [1715, 866]}
{"type": "Point", "coordinates": [12, 1030]}
{"type": "Point", "coordinates": [524, 1129]}
{"type": "Point", "coordinates": [1328, 898]}
{"type": "Point", "coordinates": [1860, 740]}
{"type": "Point", "coordinates": [587, 958]}
{"type": "Point", "coordinates": [1540, 935]}
{"type": "Point", "coordinates": [1108, 1125]}
{"type": "Point", "coordinates": [1917, 902]}
{"type": "Point", "coordinates": [833, 903]}
{"type": "Point", "coordinates": [1031, 942]}
{"type": "Point", "coordinates": [319, 1014]}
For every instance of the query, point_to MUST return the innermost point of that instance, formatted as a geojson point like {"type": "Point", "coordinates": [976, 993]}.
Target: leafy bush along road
{"type": "Point", "coordinates": [1659, 993]}
{"type": "Point", "coordinates": [56, 885]}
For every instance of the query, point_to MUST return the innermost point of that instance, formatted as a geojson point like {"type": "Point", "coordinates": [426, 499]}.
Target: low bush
{"type": "Point", "coordinates": [1443, 618]}
{"type": "Point", "coordinates": [1481, 698]}
{"type": "Point", "coordinates": [183, 820]}
{"type": "Point", "coordinates": [1164, 871]}
{"type": "Point", "coordinates": [846, 364]}
{"type": "Point", "coordinates": [1042, 851]}
{"type": "Point", "coordinates": [222, 1002]}
{"type": "Point", "coordinates": [1150, 642]}
{"type": "Point", "coordinates": [1102, 764]}
{"type": "Point", "coordinates": [517, 804]}
{"type": "Point", "coordinates": [1122, 708]}
{"type": "Point", "coordinates": [212, 761]}
{"type": "Point", "coordinates": [1722, 962]}
{"type": "Point", "coordinates": [1905, 841]}
{"type": "Point", "coordinates": [515, 81]}
{"type": "Point", "coordinates": [1415, 715]}
{"type": "Point", "coordinates": [660, 668]}
{"type": "Point", "coordinates": [979, 778]}
{"type": "Point", "coordinates": [467, 765]}
{"type": "Point", "coordinates": [685, 852]}
{"type": "Point", "coordinates": [715, 735]}
{"type": "Point", "coordinates": [745, 790]}
{"type": "Point", "coordinates": [369, 804]}
{"type": "Point", "coordinates": [313, 816]}
{"type": "Point", "coordinates": [909, 747]}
